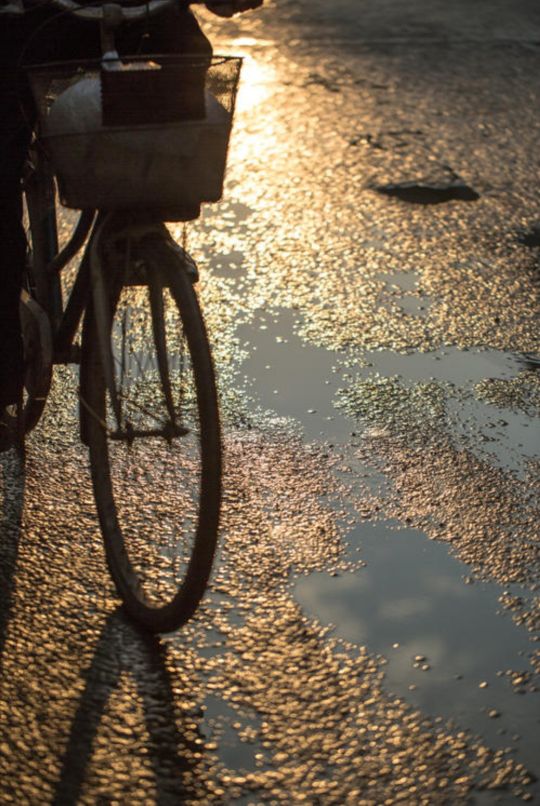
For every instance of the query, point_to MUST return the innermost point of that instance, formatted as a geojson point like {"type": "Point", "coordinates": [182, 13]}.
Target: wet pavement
{"type": "Point", "coordinates": [370, 635]}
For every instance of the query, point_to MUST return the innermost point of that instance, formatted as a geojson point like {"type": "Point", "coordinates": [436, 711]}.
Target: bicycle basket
{"type": "Point", "coordinates": [149, 132]}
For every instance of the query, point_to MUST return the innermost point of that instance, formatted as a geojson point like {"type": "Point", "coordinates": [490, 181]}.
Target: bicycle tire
{"type": "Point", "coordinates": [35, 325]}
{"type": "Point", "coordinates": [167, 614]}
{"type": "Point", "coordinates": [37, 342]}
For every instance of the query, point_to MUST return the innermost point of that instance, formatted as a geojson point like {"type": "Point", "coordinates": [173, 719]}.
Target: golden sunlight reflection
{"type": "Point", "coordinates": [256, 77]}
{"type": "Point", "coordinates": [257, 135]}
{"type": "Point", "coordinates": [258, 131]}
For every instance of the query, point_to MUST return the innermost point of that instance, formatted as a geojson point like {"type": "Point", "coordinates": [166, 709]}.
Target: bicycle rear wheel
{"type": "Point", "coordinates": [35, 324]}
{"type": "Point", "coordinates": [157, 477]}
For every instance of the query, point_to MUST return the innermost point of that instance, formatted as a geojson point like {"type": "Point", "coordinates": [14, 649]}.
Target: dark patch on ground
{"type": "Point", "coordinates": [530, 237]}
{"type": "Point", "coordinates": [328, 84]}
{"type": "Point", "coordinates": [429, 192]}
{"type": "Point", "coordinates": [386, 141]}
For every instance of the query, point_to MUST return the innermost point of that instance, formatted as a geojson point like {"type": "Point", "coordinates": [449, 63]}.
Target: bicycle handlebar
{"type": "Point", "coordinates": [118, 12]}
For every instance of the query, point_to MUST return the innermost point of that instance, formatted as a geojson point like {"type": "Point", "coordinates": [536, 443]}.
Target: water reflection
{"type": "Point", "coordinates": [419, 419]}
{"type": "Point", "coordinates": [257, 78]}
{"type": "Point", "coordinates": [442, 638]}
{"type": "Point", "coordinates": [327, 390]}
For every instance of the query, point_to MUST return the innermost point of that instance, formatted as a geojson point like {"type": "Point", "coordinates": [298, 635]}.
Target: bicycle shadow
{"type": "Point", "coordinates": [174, 754]}
{"type": "Point", "coordinates": [12, 489]}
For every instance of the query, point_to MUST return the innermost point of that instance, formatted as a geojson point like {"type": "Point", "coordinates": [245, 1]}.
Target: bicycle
{"type": "Point", "coordinates": [148, 401]}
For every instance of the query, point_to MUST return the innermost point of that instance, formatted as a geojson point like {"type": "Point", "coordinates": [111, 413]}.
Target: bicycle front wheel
{"type": "Point", "coordinates": [156, 469]}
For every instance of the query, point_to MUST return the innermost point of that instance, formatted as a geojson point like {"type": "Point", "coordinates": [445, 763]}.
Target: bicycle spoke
{"type": "Point", "coordinates": [142, 409]}
{"type": "Point", "coordinates": [155, 294]}
{"type": "Point", "coordinates": [123, 360]}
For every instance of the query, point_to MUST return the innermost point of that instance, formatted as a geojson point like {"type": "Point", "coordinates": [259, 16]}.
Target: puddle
{"type": "Point", "coordinates": [412, 601]}
{"type": "Point", "coordinates": [460, 367]}
{"type": "Point", "coordinates": [500, 436]}
{"type": "Point", "coordinates": [413, 306]}
{"type": "Point", "coordinates": [504, 438]}
{"type": "Point", "coordinates": [405, 280]}
{"type": "Point", "coordinates": [215, 643]}
{"type": "Point", "coordinates": [227, 265]}
{"type": "Point", "coordinates": [297, 380]}
{"type": "Point", "coordinates": [293, 378]}
{"type": "Point", "coordinates": [412, 593]}
{"type": "Point", "coordinates": [218, 725]}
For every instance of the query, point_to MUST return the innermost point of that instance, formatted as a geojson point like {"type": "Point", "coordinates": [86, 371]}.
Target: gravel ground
{"type": "Point", "coordinates": [370, 283]}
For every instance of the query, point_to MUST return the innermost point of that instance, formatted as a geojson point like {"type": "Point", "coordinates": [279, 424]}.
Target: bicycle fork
{"type": "Point", "coordinates": [121, 254]}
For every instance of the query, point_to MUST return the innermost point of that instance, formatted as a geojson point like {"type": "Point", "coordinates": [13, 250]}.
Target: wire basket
{"type": "Point", "coordinates": [140, 133]}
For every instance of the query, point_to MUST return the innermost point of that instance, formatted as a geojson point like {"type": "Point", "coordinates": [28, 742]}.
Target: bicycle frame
{"type": "Point", "coordinates": [104, 230]}
{"type": "Point", "coordinates": [48, 261]}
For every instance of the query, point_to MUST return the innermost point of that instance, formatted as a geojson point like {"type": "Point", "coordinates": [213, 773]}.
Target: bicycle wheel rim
{"type": "Point", "coordinates": [160, 547]}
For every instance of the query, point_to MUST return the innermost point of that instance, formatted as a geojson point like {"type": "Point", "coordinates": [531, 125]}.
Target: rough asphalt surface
{"type": "Point", "coordinates": [371, 283]}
